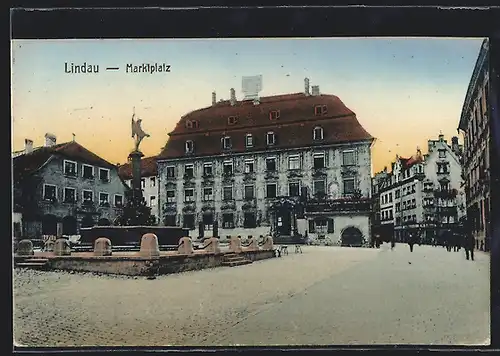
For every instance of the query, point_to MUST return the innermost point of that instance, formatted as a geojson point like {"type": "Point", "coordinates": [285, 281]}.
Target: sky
{"type": "Point", "coordinates": [404, 91]}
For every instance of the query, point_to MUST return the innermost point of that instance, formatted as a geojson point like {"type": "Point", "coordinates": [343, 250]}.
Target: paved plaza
{"type": "Point", "coordinates": [327, 295]}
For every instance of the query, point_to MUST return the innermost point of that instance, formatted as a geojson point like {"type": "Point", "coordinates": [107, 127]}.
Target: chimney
{"type": "Point", "coordinates": [214, 98]}
{"type": "Point", "coordinates": [28, 146]}
{"type": "Point", "coordinates": [306, 87]}
{"type": "Point", "coordinates": [50, 140]}
{"type": "Point", "coordinates": [233, 97]}
{"type": "Point", "coordinates": [315, 90]}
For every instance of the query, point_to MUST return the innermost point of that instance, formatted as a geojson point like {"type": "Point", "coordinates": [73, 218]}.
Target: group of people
{"type": "Point", "coordinates": [450, 240]}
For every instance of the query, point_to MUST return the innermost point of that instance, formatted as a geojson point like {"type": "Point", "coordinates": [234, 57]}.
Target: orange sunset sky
{"type": "Point", "coordinates": [403, 91]}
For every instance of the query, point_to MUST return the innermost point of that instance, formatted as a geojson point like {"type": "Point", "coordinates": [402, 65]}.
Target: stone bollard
{"type": "Point", "coordinates": [268, 243]}
{"type": "Point", "coordinates": [25, 248]}
{"type": "Point", "coordinates": [185, 246]}
{"type": "Point", "coordinates": [253, 245]}
{"type": "Point", "coordinates": [62, 247]}
{"type": "Point", "coordinates": [235, 244]}
{"type": "Point", "coordinates": [212, 245]}
{"type": "Point", "coordinates": [149, 246]}
{"type": "Point", "coordinates": [102, 247]}
{"type": "Point", "coordinates": [49, 246]}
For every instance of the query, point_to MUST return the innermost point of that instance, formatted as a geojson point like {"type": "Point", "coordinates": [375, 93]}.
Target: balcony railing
{"type": "Point", "coordinates": [445, 193]}
{"type": "Point", "coordinates": [338, 205]}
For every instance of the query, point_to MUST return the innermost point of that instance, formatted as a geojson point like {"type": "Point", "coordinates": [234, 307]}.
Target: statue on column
{"type": "Point", "coordinates": [137, 132]}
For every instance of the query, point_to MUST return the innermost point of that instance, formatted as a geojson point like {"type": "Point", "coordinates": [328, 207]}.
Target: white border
{"type": "Point", "coordinates": [294, 156]}
{"type": "Point", "coordinates": [232, 192]}
{"type": "Point", "coordinates": [293, 181]}
{"type": "Point", "coordinates": [248, 135]}
{"type": "Point", "coordinates": [167, 197]}
{"type": "Point", "coordinates": [254, 191]}
{"type": "Point", "coordinates": [107, 170]}
{"type": "Point", "coordinates": [322, 133]}
{"type": "Point", "coordinates": [69, 161]}
{"type": "Point", "coordinates": [166, 171]}
{"type": "Point", "coordinates": [267, 138]}
{"type": "Point", "coordinates": [88, 165]}
{"type": "Point", "coordinates": [210, 194]}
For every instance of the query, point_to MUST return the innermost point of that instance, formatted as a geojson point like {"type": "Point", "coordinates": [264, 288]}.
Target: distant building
{"type": "Point", "coordinates": [377, 181]}
{"type": "Point", "coordinates": [475, 126]}
{"type": "Point", "coordinates": [284, 164]}
{"type": "Point", "coordinates": [149, 181]}
{"type": "Point", "coordinates": [60, 188]}
{"type": "Point", "coordinates": [423, 194]}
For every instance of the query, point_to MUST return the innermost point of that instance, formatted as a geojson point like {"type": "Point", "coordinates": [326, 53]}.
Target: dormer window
{"type": "Point", "coordinates": [192, 124]}
{"type": "Point", "coordinates": [320, 110]}
{"type": "Point", "coordinates": [189, 146]}
{"type": "Point", "coordinates": [271, 138]}
{"type": "Point", "coordinates": [249, 140]}
{"type": "Point", "coordinates": [274, 115]}
{"type": "Point", "coordinates": [318, 133]}
{"type": "Point", "coordinates": [232, 120]}
{"type": "Point", "coordinates": [226, 142]}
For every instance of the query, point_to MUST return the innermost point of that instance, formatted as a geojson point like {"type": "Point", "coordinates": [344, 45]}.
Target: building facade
{"type": "Point", "coordinates": [268, 165]}
{"type": "Point", "coordinates": [60, 188]}
{"type": "Point", "coordinates": [475, 126]}
{"type": "Point", "coordinates": [423, 194]}
{"type": "Point", "coordinates": [149, 182]}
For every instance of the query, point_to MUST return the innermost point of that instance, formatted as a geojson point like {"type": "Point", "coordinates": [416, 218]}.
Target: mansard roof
{"type": "Point", "coordinates": [31, 162]}
{"type": "Point", "coordinates": [297, 117]}
{"type": "Point", "coordinates": [148, 168]}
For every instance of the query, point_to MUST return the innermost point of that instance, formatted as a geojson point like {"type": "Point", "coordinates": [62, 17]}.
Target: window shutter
{"type": "Point", "coordinates": [330, 226]}
{"type": "Point", "coordinates": [311, 226]}
{"type": "Point", "coordinates": [222, 143]}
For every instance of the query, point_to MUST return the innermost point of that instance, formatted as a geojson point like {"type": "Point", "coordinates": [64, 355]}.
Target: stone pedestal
{"type": "Point", "coordinates": [149, 246]}
{"type": "Point", "coordinates": [235, 244]}
{"type": "Point", "coordinates": [102, 247]}
{"type": "Point", "coordinates": [135, 160]}
{"type": "Point", "coordinates": [185, 246]}
{"type": "Point", "coordinates": [211, 245]}
{"type": "Point", "coordinates": [62, 247]}
{"type": "Point", "coordinates": [268, 243]}
{"type": "Point", "coordinates": [25, 248]}
{"type": "Point", "coordinates": [253, 245]}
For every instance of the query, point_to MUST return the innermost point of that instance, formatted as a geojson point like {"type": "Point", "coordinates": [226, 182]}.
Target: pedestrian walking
{"type": "Point", "coordinates": [393, 242]}
{"type": "Point", "coordinates": [469, 245]}
{"type": "Point", "coordinates": [411, 241]}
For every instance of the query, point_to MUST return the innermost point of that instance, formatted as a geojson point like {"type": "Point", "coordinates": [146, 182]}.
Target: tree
{"type": "Point", "coordinates": [135, 212]}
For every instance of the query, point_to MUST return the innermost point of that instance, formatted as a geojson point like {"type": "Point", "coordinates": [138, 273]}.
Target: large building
{"type": "Point", "coordinates": [149, 181]}
{"type": "Point", "coordinates": [59, 188]}
{"type": "Point", "coordinates": [423, 194]}
{"type": "Point", "coordinates": [289, 165]}
{"type": "Point", "coordinates": [475, 126]}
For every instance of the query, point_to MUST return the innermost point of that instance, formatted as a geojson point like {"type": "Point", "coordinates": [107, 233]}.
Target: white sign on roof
{"type": "Point", "coordinates": [251, 86]}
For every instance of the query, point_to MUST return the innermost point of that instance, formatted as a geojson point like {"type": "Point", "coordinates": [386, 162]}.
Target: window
{"type": "Point", "coordinates": [189, 146]}
{"type": "Point", "coordinates": [192, 124]}
{"type": "Point", "coordinates": [330, 226]}
{"type": "Point", "coordinates": [143, 183]}
{"type": "Point", "coordinates": [153, 181]}
{"type": "Point", "coordinates": [227, 193]}
{"type": "Point", "coordinates": [249, 140]}
{"type": "Point", "coordinates": [312, 226]}
{"type": "Point", "coordinates": [249, 192]}
{"type": "Point", "coordinates": [207, 169]}
{"type": "Point", "coordinates": [271, 138]}
{"type": "Point", "coordinates": [170, 220]}
{"type": "Point", "coordinates": [249, 166]}
{"type": "Point", "coordinates": [103, 199]}
{"type": "Point", "coordinates": [349, 186]}
{"type": "Point", "coordinates": [348, 158]}
{"type": "Point", "coordinates": [232, 120]}
{"type": "Point", "coordinates": [208, 221]}
{"type": "Point", "coordinates": [390, 197]}
{"type": "Point", "coordinates": [118, 200]}
{"type": "Point", "coordinates": [170, 196]}
{"type": "Point", "coordinates": [188, 221]}
{"type": "Point", "coordinates": [271, 164]}
{"type": "Point", "coordinates": [208, 194]}
{"type": "Point", "coordinates": [442, 153]}
{"type": "Point", "coordinates": [294, 162]}
{"type": "Point", "coordinates": [228, 168]}
{"type": "Point", "coordinates": [69, 195]}
{"type": "Point", "coordinates": [104, 174]}
{"type": "Point", "coordinates": [318, 133]}
{"type": "Point", "coordinates": [228, 221]}
{"type": "Point", "coordinates": [249, 220]}
{"type": "Point", "coordinates": [320, 110]}
{"type": "Point", "coordinates": [319, 160]}
{"type": "Point", "coordinates": [188, 195]}
{"type": "Point", "coordinates": [271, 190]}
{"type": "Point", "coordinates": [274, 115]}
{"type": "Point", "coordinates": [189, 170]}
{"type": "Point", "coordinates": [87, 171]}
{"type": "Point", "coordinates": [88, 196]}
{"type": "Point", "coordinates": [293, 189]}
{"type": "Point", "coordinates": [152, 201]}
{"type": "Point", "coordinates": [170, 172]}
{"type": "Point", "coordinates": [226, 142]}
{"type": "Point", "coordinates": [319, 188]}
{"type": "Point", "coordinates": [70, 168]}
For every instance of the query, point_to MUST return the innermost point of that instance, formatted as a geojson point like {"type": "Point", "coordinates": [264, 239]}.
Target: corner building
{"type": "Point", "coordinates": [284, 164]}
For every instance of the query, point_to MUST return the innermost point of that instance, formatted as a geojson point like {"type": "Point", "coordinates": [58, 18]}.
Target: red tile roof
{"type": "Point", "coordinates": [29, 163]}
{"type": "Point", "coordinates": [148, 168]}
{"type": "Point", "coordinates": [293, 128]}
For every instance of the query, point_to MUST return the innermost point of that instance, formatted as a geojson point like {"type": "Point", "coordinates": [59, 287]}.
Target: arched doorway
{"type": "Point", "coordinates": [49, 225]}
{"type": "Point", "coordinates": [69, 225]}
{"type": "Point", "coordinates": [104, 222]}
{"type": "Point", "coordinates": [352, 237]}
{"type": "Point", "coordinates": [88, 221]}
